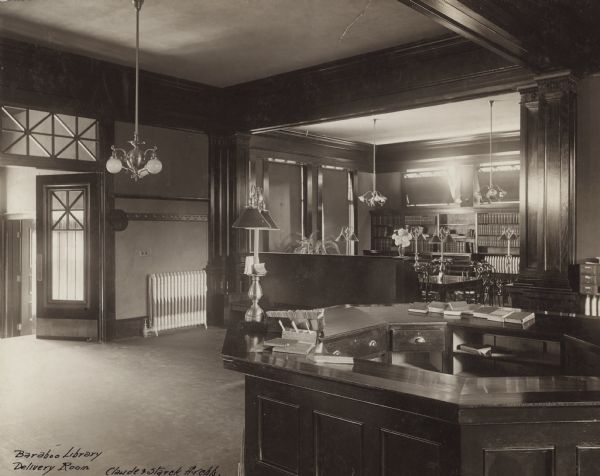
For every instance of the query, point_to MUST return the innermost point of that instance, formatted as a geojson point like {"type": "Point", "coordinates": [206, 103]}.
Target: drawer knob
{"type": "Point", "coordinates": [419, 340]}
{"type": "Point", "coordinates": [373, 343]}
{"type": "Point", "coordinates": [336, 352]}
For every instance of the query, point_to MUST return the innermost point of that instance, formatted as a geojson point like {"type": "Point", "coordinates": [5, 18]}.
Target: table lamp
{"type": "Point", "coordinates": [255, 217]}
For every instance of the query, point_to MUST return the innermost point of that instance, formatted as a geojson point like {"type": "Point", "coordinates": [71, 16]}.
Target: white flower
{"type": "Point", "coordinates": [402, 237]}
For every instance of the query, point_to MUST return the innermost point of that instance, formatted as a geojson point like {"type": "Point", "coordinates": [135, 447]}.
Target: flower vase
{"type": "Point", "coordinates": [401, 251]}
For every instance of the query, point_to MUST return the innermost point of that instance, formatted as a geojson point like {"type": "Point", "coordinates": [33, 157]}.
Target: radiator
{"type": "Point", "coordinates": [176, 300]}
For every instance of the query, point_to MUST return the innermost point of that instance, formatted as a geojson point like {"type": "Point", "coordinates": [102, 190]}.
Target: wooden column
{"type": "Point", "coordinates": [228, 174]}
{"type": "Point", "coordinates": [547, 229]}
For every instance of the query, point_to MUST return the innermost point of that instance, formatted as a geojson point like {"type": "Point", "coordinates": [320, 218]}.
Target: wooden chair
{"type": "Point", "coordinates": [424, 270]}
{"type": "Point", "coordinates": [488, 291]}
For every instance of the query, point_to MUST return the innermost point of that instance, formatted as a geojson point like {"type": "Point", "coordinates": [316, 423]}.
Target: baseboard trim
{"type": "Point", "coordinates": [76, 329]}
{"type": "Point", "coordinates": [130, 327]}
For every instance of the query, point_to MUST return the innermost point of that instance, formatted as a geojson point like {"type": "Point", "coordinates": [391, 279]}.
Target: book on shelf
{"type": "Point", "coordinates": [301, 348]}
{"type": "Point", "coordinates": [437, 307]}
{"type": "Point", "coordinates": [418, 307]}
{"type": "Point", "coordinates": [476, 349]}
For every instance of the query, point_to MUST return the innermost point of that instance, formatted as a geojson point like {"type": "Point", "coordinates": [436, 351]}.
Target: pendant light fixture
{"type": "Point", "coordinates": [137, 161]}
{"type": "Point", "coordinates": [491, 193]}
{"type": "Point", "coordinates": [373, 198]}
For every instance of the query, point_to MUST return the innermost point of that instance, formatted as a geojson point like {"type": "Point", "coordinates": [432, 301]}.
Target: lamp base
{"type": "Point", "coordinates": [255, 313]}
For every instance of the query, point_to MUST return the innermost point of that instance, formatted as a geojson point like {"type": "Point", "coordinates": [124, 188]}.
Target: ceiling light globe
{"type": "Point", "coordinates": [114, 165]}
{"type": "Point", "coordinates": [154, 166]}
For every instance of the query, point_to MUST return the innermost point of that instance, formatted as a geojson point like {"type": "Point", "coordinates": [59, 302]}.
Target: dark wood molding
{"type": "Point", "coordinates": [64, 82]}
{"type": "Point", "coordinates": [547, 225]}
{"type": "Point", "coordinates": [229, 170]}
{"type": "Point", "coordinates": [543, 36]}
{"type": "Point", "coordinates": [470, 24]}
{"type": "Point", "coordinates": [393, 157]}
{"type": "Point", "coordinates": [124, 328]}
{"type": "Point", "coordinates": [404, 77]}
{"type": "Point", "coordinates": [107, 247]}
{"type": "Point", "coordinates": [313, 150]}
{"type": "Point", "coordinates": [160, 197]}
{"type": "Point", "coordinates": [186, 217]}
{"type": "Point", "coordinates": [51, 164]}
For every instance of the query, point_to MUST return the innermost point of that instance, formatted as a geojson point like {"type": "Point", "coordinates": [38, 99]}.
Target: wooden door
{"type": "Point", "coordinates": [27, 316]}
{"type": "Point", "coordinates": [68, 272]}
{"type": "Point", "coordinates": [13, 278]}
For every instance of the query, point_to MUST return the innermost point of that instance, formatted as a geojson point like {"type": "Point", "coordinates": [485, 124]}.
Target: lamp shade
{"type": "Point", "coordinates": [254, 219]}
{"type": "Point", "coordinates": [435, 239]}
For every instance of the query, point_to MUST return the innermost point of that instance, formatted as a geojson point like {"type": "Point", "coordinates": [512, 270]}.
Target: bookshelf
{"type": "Point", "coordinates": [473, 231]}
{"type": "Point", "coordinates": [510, 353]}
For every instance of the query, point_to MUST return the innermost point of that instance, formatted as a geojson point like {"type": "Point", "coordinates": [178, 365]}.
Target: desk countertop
{"type": "Point", "coordinates": [241, 352]}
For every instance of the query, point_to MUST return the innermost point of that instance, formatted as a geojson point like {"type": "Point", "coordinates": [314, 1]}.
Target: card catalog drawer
{"type": "Point", "coordinates": [418, 339]}
{"type": "Point", "coordinates": [590, 268]}
{"type": "Point", "coordinates": [589, 279]}
{"type": "Point", "coordinates": [588, 288]}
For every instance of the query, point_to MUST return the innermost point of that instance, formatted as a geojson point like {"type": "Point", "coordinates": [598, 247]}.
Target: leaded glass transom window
{"type": "Point", "coordinates": [44, 134]}
{"type": "Point", "coordinates": [68, 236]}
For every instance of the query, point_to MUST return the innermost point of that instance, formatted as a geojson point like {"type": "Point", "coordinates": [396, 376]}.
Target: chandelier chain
{"type": "Point", "coordinates": [138, 6]}
{"type": "Point", "coordinates": [491, 131]}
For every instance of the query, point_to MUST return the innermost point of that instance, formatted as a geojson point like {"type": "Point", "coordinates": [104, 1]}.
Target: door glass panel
{"type": "Point", "coordinates": [67, 237]}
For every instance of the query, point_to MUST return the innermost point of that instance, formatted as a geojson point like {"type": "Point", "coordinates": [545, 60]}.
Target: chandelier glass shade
{"type": "Point", "coordinates": [373, 198]}
{"type": "Point", "coordinates": [491, 192]}
{"type": "Point", "coordinates": [138, 161]}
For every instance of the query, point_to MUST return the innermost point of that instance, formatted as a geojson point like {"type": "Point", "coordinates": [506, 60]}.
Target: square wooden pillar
{"type": "Point", "coordinates": [547, 194]}
{"type": "Point", "coordinates": [228, 169]}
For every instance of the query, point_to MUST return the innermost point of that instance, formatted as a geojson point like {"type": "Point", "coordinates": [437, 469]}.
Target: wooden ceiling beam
{"type": "Point", "coordinates": [538, 34]}
{"type": "Point", "coordinates": [481, 28]}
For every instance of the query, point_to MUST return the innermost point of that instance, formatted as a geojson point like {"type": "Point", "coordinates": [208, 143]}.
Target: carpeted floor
{"type": "Point", "coordinates": [161, 401]}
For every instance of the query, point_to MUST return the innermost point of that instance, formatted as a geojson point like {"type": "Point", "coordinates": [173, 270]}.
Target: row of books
{"type": "Point", "coordinates": [483, 240]}
{"type": "Point", "coordinates": [457, 309]}
{"type": "Point", "coordinates": [502, 218]}
{"type": "Point", "coordinates": [492, 229]}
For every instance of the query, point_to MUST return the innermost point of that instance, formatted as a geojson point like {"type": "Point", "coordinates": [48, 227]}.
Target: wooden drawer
{"type": "Point", "coordinates": [588, 288]}
{"type": "Point", "coordinates": [418, 339]}
{"type": "Point", "coordinates": [590, 268]}
{"type": "Point", "coordinates": [589, 279]}
{"type": "Point", "coordinates": [370, 342]}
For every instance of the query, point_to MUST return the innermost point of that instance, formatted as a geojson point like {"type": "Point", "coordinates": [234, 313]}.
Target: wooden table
{"type": "Point", "coordinates": [450, 283]}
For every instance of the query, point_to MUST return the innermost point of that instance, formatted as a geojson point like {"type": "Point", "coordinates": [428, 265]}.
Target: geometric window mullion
{"type": "Point", "coordinates": [31, 132]}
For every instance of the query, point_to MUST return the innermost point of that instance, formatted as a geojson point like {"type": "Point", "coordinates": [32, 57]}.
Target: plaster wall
{"type": "Point", "coordinates": [160, 246]}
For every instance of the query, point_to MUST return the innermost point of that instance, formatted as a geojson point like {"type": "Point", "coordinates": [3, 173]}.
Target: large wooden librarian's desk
{"type": "Point", "coordinates": [376, 418]}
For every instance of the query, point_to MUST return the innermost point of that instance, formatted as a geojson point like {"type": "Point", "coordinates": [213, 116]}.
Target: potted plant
{"type": "Point", "coordinates": [402, 237]}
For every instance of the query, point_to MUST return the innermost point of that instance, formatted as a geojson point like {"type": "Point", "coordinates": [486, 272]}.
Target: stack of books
{"type": "Point", "coordinates": [437, 307]}
{"type": "Point", "coordinates": [506, 315]}
{"type": "Point", "coordinates": [450, 310]}
{"type": "Point", "coordinates": [457, 309]}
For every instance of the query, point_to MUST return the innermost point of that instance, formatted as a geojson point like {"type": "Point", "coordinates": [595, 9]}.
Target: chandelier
{"type": "Point", "coordinates": [137, 161]}
{"type": "Point", "coordinates": [373, 198]}
{"type": "Point", "coordinates": [491, 193]}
